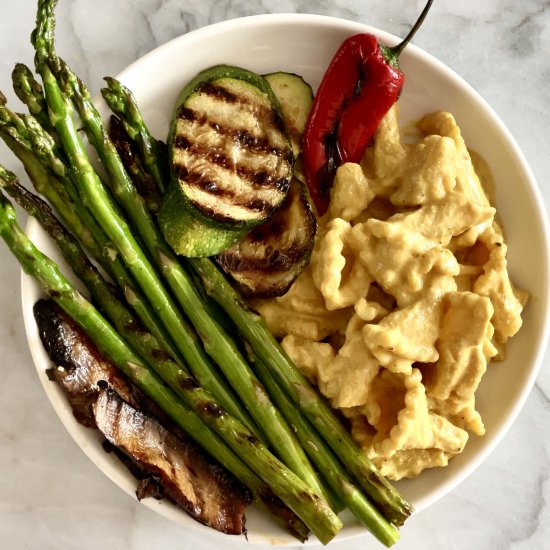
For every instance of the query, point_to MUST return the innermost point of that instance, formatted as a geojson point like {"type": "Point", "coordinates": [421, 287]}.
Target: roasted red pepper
{"type": "Point", "coordinates": [360, 85]}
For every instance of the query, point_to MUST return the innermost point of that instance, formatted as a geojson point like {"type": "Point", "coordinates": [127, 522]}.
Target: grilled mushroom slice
{"type": "Point", "coordinates": [165, 460]}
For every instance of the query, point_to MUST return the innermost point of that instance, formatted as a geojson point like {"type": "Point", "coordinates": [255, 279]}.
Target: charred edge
{"type": "Point", "coordinates": [129, 155]}
{"type": "Point", "coordinates": [161, 355]}
{"type": "Point", "coordinates": [249, 438]}
{"type": "Point", "coordinates": [258, 179]}
{"type": "Point", "coordinates": [305, 496]}
{"type": "Point", "coordinates": [274, 229]}
{"type": "Point", "coordinates": [103, 384]}
{"type": "Point", "coordinates": [187, 382]}
{"type": "Point", "coordinates": [215, 215]}
{"type": "Point", "coordinates": [199, 179]}
{"type": "Point", "coordinates": [267, 289]}
{"type": "Point", "coordinates": [256, 144]}
{"type": "Point", "coordinates": [107, 446]}
{"type": "Point", "coordinates": [55, 331]}
{"type": "Point", "coordinates": [149, 487]}
{"type": "Point", "coordinates": [397, 514]}
{"type": "Point", "coordinates": [184, 113]}
{"type": "Point", "coordinates": [291, 521]}
{"type": "Point", "coordinates": [182, 142]}
{"type": "Point", "coordinates": [211, 409]}
{"type": "Point", "coordinates": [132, 326]}
{"type": "Point", "coordinates": [264, 112]}
{"type": "Point", "coordinates": [117, 134]}
{"type": "Point", "coordinates": [263, 179]}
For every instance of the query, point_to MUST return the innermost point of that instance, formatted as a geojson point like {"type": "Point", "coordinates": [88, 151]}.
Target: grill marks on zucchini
{"type": "Point", "coordinates": [230, 152]}
{"type": "Point", "coordinates": [266, 261]}
{"type": "Point", "coordinates": [232, 162]}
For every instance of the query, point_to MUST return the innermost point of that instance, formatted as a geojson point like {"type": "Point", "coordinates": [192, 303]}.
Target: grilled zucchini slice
{"type": "Point", "coordinates": [230, 158]}
{"type": "Point", "coordinates": [266, 262]}
{"type": "Point", "coordinates": [296, 98]}
{"type": "Point", "coordinates": [229, 151]}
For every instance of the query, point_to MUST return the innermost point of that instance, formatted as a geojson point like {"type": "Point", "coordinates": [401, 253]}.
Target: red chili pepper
{"type": "Point", "coordinates": [360, 85]}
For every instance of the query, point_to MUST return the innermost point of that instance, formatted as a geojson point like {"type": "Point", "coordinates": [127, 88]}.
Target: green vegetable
{"type": "Point", "coordinates": [295, 97]}
{"type": "Point", "coordinates": [37, 151]}
{"type": "Point", "coordinates": [217, 344]}
{"type": "Point", "coordinates": [266, 262]}
{"type": "Point", "coordinates": [29, 91]}
{"type": "Point", "coordinates": [190, 234]}
{"type": "Point", "coordinates": [215, 283]}
{"type": "Point", "coordinates": [230, 160]}
{"type": "Point", "coordinates": [253, 329]}
{"type": "Point", "coordinates": [313, 511]}
{"type": "Point", "coordinates": [128, 152]}
{"type": "Point", "coordinates": [304, 399]}
{"type": "Point", "coordinates": [122, 102]}
{"type": "Point", "coordinates": [326, 462]}
{"type": "Point", "coordinates": [108, 216]}
{"type": "Point", "coordinates": [93, 192]}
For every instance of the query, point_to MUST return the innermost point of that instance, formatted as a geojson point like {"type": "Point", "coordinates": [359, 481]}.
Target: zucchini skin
{"type": "Point", "coordinates": [296, 98]}
{"type": "Point", "coordinates": [191, 235]}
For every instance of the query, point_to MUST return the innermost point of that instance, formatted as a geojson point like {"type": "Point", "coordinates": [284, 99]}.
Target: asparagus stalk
{"type": "Point", "coordinates": [103, 292]}
{"type": "Point", "coordinates": [93, 192]}
{"type": "Point", "coordinates": [122, 102]}
{"type": "Point", "coordinates": [380, 490]}
{"type": "Point", "coordinates": [36, 151]}
{"type": "Point", "coordinates": [324, 459]}
{"type": "Point", "coordinates": [291, 489]}
{"type": "Point", "coordinates": [253, 329]}
{"type": "Point", "coordinates": [144, 343]}
{"type": "Point", "coordinates": [218, 345]}
{"type": "Point", "coordinates": [54, 193]}
{"type": "Point", "coordinates": [29, 91]}
{"type": "Point", "coordinates": [53, 182]}
{"type": "Point", "coordinates": [143, 180]}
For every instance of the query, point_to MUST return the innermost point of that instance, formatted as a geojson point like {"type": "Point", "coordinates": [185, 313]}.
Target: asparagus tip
{"type": "Point", "coordinates": [20, 67]}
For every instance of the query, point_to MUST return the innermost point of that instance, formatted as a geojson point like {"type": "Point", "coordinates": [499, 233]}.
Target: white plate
{"type": "Point", "coordinates": [304, 44]}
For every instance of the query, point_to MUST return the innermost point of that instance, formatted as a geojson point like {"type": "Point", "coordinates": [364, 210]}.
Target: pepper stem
{"type": "Point", "coordinates": [392, 54]}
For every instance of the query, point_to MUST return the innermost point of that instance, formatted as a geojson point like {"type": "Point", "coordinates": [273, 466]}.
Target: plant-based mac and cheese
{"type": "Point", "coordinates": [406, 299]}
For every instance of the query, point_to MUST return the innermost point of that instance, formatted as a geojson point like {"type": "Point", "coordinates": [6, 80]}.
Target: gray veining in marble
{"type": "Point", "coordinates": [53, 497]}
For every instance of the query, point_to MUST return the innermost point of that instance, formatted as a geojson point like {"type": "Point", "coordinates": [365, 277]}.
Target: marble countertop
{"type": "Point", "coordinates": [53, 497]}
